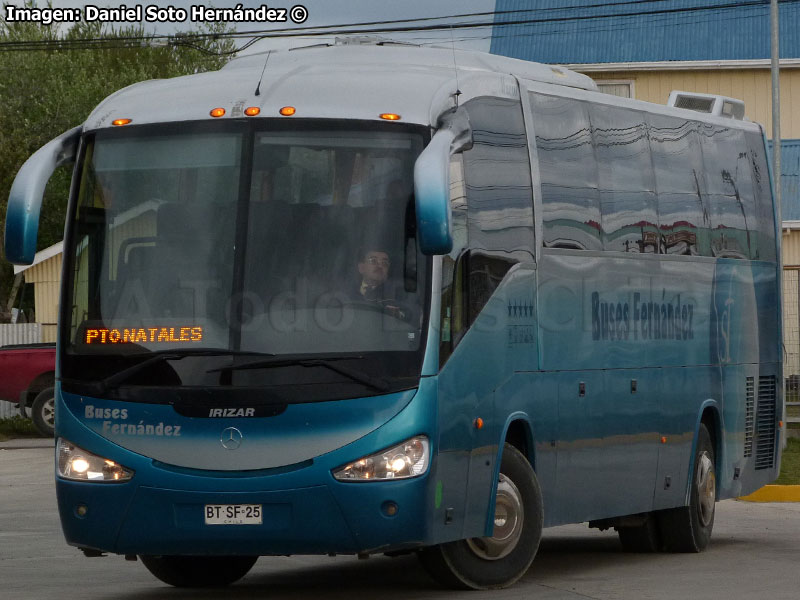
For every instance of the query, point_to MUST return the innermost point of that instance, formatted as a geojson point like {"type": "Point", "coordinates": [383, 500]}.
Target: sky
{"type": "Point", "coordinates": [333, 12]}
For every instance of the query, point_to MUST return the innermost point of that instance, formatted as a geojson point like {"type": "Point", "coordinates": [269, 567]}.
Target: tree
{"type": "Point", "coordinates": [47, 90]}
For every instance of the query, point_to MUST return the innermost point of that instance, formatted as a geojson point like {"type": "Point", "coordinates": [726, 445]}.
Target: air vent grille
{"type": "Point", "coordinates": [749, 416]}
{"type": "Point", "coordinates": [694, 103]}
{"type": "Point", "coordinates": [765, 423]}
{"type": "Point", "coordinates": [733, 110]}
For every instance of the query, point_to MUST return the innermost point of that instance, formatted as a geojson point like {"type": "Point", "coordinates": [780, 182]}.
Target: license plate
{"type": "Point", "coordinates": [233, 514]}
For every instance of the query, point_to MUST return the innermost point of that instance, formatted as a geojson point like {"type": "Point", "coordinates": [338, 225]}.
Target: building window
{"type": "Point", "coordinates": [616, 87]}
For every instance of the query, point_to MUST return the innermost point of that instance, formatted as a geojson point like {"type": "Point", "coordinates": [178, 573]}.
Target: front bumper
{"type": "Point", "coordinates": [305, 510]}
{"type": "Point", "coordinates": [318, 519]}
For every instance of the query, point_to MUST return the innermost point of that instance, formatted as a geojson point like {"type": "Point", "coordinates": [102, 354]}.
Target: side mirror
{"type": "Point", "coordinates": [27, 191]}
{"type": "Point", "coordinates": [432, 182]}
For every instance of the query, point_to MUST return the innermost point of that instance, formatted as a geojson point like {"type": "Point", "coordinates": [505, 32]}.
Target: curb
{"type": "Point", "coordinates": [775, 493]}
{"type": "Point", "coordinates": [27, 443]}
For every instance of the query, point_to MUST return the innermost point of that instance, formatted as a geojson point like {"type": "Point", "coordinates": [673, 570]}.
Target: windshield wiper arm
{"type": "Point", "coordinates": [328, 363]}
{"type": "Point", "coordinates": [114, 380]}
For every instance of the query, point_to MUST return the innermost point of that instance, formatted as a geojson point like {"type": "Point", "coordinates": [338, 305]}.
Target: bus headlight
{"type": "Point", "coordinates": [409, 459]}
{"type": "Point", "coordinates": [79, 465]}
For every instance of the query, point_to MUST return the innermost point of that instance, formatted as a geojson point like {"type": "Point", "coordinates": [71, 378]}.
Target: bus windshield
{"type": "Point", "coordinates": [245, 239]}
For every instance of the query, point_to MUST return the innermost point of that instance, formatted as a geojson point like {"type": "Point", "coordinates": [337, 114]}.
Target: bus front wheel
{"type": "Point", "coordinates": [688, 529]}
{"type": "Point", "coordinates": [199, 571]}
{"type": "Point", "coordinates": [499, 560]}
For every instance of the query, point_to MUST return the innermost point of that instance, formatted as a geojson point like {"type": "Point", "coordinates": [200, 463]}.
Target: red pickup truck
{"type": "Point", "coordinates": [27, 377]}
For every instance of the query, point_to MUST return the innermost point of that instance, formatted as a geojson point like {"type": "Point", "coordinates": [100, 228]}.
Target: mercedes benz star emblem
{"type": "Point", "coordinates": [231, 438]}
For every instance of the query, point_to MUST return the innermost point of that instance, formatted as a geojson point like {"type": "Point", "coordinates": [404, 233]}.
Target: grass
{"type": "Point", "coordinates": [790, 464]}
{"type": "Point", "coordinates": [17, 427]}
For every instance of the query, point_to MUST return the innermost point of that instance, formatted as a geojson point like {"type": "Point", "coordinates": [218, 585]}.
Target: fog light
{"type": "Point", "coordinates": [389, 508]}
{"type": "Point", "coordinates": [81, 510]}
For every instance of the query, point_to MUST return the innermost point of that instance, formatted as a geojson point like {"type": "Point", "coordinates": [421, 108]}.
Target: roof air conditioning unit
{"type": "Point", "coordinates": [720, 106]}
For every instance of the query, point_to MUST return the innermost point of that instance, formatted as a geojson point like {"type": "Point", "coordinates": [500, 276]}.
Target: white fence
{"type": "Point", "coordinates": [7, 410]}
{"type": "Point", "coordinates": [23, 333]}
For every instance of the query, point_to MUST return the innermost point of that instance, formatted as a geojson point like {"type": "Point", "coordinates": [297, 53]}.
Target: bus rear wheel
{"type": "Point", "coordinates": [499, 560]}
{"type": "Point", "coordinates": [688, 529]}
{"type": "Point", "coordinates": [199, 571]}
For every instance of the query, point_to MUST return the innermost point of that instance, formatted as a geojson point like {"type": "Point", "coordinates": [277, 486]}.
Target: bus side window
{"type": "Point", "coordinates": [730, 190]}
{"type": "Point", "coordinates": [498, 175]}
{"type": "Point", "coordinates": [497, 171]}
{"type": "Point", "coordinates": [682, 213]}
{"type": "Point", "coordinates": [568, 171]}
{"type": "Point", "coordinates": [765, 217]}
{"type": "Point", "coordinates": [492, 213]}
{"type": "Point", "coordinates": [625, 178]}
{"type": "Point", "coordinates": [452, 321]}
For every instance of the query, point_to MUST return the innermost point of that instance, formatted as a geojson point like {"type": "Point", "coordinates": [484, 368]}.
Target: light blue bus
{"type": "Point", "coordinates": [364, 299]}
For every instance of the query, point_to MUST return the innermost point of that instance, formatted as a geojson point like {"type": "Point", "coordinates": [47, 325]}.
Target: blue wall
{"type": "Point", "coordinates": [790, 179]}
{"type": "Point", "coordinates": [565, 32]}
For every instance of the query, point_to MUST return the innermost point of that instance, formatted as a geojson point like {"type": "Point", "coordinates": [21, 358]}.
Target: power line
{"type": "Point", "coordinates": [356, 28]}
{"type": "Point", "coordinates": [319, 28]}
{"type": "Point", "coordinates": [312, 31]}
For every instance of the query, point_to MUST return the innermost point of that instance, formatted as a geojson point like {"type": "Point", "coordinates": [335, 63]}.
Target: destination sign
{"type": "Point", "coordinates": [138, 335]}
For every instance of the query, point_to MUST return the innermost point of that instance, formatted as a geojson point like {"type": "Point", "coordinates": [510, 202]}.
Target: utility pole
{"type": "Point", "coordinates": [776, 107]}
{"type": "Point", "coordinates": [776, 146]}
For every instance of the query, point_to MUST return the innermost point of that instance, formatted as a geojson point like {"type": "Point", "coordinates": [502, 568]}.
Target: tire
{"type": "Point", "coordinates": [688, 528]}
{"type": "Point", "coordinates": [43, 412]}
{"type": "Point", "coordinates": [199, 571]}
{"type": "Point", "coordinates": [644, 538]}
{"type": "Point", "coordinates": [498, 561]}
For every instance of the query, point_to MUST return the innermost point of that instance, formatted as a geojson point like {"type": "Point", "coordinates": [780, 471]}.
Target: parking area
{"type": "Point", "coordinates": [755, 553]}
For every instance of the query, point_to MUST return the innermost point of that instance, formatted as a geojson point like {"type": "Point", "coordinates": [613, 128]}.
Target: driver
{"type": "Point", "coordinates": [373, 267]}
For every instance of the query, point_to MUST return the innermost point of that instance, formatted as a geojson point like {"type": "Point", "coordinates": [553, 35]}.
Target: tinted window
{"type": "Point", "coordinates": [453, 309]}
{"type": "Point", "coordinates": [498, 177]}
{"type": "Point", "coordinates": [570, 201]}
{"type": "Point", "coordinates": [762, 240]}
{"type": "Point", "coordinates": [492, 215]}
{"type": "Point", "coordinates": [625, 178]}
{"type": "Point", "coordinates": [728, 176]}
{"type": "Point", "coordinates": [677, 162]}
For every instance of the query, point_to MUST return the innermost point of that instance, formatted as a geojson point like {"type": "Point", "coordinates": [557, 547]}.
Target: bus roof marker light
{"type": "Point", "coordinates": [252, 111]}
{"type": "Point", "coordinates": [217, 112]}
{"type": "Point", "coordinates": [390, 116]}
{"type": "Point", "coordinates": [287, 111]}
{"type": "Point", "coordinates": [478, 423]}
{"type": "Point", "coordinates": [120, 122]}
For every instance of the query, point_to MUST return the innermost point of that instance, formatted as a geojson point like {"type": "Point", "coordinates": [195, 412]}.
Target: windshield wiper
{"type": "Point", "coordinates": [328, 363]}
{"type": "Point", "coordinates": [112, 381]}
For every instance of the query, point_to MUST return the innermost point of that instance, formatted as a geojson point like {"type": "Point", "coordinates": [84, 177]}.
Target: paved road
{"type": "Point", "coordinates": [755, 554]}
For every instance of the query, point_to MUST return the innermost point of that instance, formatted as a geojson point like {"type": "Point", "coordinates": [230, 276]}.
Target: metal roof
{"type": "Point", "coordinates": [41, 256]}
{"type": "Point", "coordinates": [586, 31]}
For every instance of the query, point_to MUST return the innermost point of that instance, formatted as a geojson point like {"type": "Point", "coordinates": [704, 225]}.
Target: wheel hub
{"type": "Point", "coordinates": [509, 516]}
{"type": "Point", "coordinates": [706, 489]}
{"type": "Point", "coordinates": [49, 412]}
